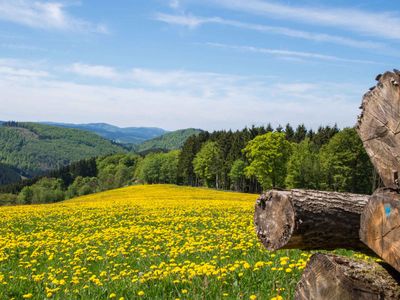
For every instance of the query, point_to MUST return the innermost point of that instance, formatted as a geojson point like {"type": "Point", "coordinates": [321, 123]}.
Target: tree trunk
{"type": "Point", "coordinates": [380, 226]}
{"type": "Point", "coordinates": [306, 219]}
{"type": "Point", "coordinates": [379, 127]}
{"type": "Point", "coordinates": [335, 277]}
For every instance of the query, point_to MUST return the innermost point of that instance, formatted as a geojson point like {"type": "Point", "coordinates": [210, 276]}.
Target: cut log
{"type": "Point", "coordinates": [306, 219]}
{"type": "Point", "coordinates": [380, 226]}
{"type": "Point", "coordinates": [335, 277]}
{"type": "Point", "coordinates": [379, 127]}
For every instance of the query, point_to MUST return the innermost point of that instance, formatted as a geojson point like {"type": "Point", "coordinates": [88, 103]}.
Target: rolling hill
{"type": "Point", "coordinates": [31, 148]}
{"type": "Point", "coordinates": [128, 135]}
{"type": "Point", "coordinates": [169, 141]}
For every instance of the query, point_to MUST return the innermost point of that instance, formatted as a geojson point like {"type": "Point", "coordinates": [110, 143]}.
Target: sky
{"type": "Point", "coordinates": [210, 64]}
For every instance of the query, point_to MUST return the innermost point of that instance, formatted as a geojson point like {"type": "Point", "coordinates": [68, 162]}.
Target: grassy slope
{"type": "Point", "coordinates": [34, 148]}
{"type": "Point", "coordinates": [149, 242]}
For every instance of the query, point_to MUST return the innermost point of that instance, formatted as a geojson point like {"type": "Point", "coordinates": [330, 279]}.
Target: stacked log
{"type": "Point", "coordinates": [336, 277]}
{"type": "Point", "coordinates": [305, 219]}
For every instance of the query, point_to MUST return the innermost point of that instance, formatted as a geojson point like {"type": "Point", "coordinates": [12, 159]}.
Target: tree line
{"type": "Point", "coordinates": [248, 160]}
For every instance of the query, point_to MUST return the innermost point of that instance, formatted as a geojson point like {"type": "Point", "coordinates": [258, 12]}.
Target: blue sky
{"type": "Point", "coordinates": [211, 64]}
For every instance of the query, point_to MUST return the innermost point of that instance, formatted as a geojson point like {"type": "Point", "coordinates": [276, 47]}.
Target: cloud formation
{"type": "Point", "coordinates": [45, 15]}
{"type": "Point", "coordinates": [289, 54]}
{"type": "Point", "coordinates": [174, 99]}
{"type": "Point", "coordinates": [379, 24]}
{"type": "Point", "coordinates": [192, 21]}
{"type": "Point", "coordinates": [93, 71]}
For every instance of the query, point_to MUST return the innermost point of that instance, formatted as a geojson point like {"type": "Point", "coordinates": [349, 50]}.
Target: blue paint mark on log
{"type": "Point", "coordinates": [388, 210]}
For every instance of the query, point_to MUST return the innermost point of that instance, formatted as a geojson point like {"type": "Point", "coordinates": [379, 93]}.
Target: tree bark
{"type": "Point", "coordinates": [335, 277]}
{"type": "Point", "coordinates": [380, 226]}
{"type": "Point", "coordinates": [379, 127]}
{"type": "Point", "coordinates": [306, 219]}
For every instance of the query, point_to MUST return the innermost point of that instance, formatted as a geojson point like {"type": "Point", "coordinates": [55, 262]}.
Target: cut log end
{"type": "Point", "coordinates": [380, 226]}
{"type": "Point", "coordinates": [335, 277]}
{"type": "Point", "coordinates": [274, 219]}
{"type": "Point", "coordinates": [379, 126]}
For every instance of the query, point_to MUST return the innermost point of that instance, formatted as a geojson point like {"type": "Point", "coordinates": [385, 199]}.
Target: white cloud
{"type": "Point", "coordinates": [174, 4]}
{"type": "Point", "coordinates": [176, 99]}
{"type": "Point", "coordinates": [93, 71]}
{"type": "Point", "coordinates": [195, 21]}
{"type": "Point", "coordinates": [289, 54]}
{"type": "Point", "coordinates": [45, 15]}
{"type": "Point", "coordinates": [380, 24]}
{"type": "Point", "coordinates": [14, 69]}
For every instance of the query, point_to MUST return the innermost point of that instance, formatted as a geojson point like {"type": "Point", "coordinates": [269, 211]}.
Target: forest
{"type": "Point", "coordinates": [250, 160]}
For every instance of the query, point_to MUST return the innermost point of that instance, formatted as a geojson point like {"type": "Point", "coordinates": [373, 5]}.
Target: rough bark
{"type": "Point", "coordinates": [306, 219]}
{"type": "Point", "coordinates": [380, 226]}
{"type": "Point", "coordinates": [379, 127]}
{"type": "Point", "coordinates": [335, 277]}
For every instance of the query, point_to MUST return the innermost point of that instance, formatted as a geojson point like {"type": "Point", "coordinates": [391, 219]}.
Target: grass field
{"type": "Point", "coordinates": [142, 242]}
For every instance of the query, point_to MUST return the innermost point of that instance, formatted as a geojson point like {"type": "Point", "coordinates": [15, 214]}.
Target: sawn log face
{"type": "Point", "coordinates": [380, 226]}
{"type": "Point", "coordinates": [341, 278]}
{"type": "Point", "coordinates": [379, 127]}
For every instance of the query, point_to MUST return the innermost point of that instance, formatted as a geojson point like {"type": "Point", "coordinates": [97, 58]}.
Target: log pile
{"type": "Point", "coordinates": [305, 219]}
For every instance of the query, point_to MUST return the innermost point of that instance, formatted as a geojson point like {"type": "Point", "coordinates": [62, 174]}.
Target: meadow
{"type": "Point", "coordinates": [142, 242]}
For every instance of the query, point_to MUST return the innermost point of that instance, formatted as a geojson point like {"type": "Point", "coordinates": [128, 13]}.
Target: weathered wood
{"type": "Point", "coordinates": [335, 277]}
{"type": "Point", "coordinates": [380, 226]}
{"type": "Point", "coordinates": [306, 219]}
{"type": "Point", "coordinates": [379, 127]}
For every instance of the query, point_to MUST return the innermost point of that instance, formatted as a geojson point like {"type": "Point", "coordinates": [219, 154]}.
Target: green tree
{"type": "Point", "coordinates": [345, 164]}
{"type": "Point", "coordinates": [237, 174]}
{"type": "Point", "coordinates": [83, 186]}
{"type": "Point", "coordinates": [116, 170]}
{"type": "Point", "coordinates": [303, 169]}
{"type": "Point", "coordinates": [46, 190]}
{"type": "Point", "coordinates": [268, 155]}
{"type": "Point", "coordinates": [169, 167]}
{"type": "Point", "coordinates": [207, 163]}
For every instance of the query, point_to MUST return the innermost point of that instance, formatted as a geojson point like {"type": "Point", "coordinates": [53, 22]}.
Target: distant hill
{"type": "Point", "coordinates": [128, 135]}
{"type": "Point", "coordinates": [169, 141]}
{"type": "Point", "coordinates": [32, 148]}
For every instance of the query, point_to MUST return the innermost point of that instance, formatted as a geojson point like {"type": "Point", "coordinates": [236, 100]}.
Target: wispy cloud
{"type": "Point", "coordinates": [93, 71]}
{"type": "Point", "coordinates": [45, 15]}
{"type": "Point", "coordinates": [380, 24]}
{"type": "Point", "coordinates": [289, 54]}
{"type": "Point", "coordinates": [192, 21]}
{"type": "Point", "coordinates": [182, 98]}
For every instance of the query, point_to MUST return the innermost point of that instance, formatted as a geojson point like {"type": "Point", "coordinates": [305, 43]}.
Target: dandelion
{"type": "Point", "coordinates": [27, 296]}
{"type": "Point", "coordinates": [140, 293]}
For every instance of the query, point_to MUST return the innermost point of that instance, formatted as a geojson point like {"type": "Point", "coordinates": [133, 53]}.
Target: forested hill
{"type": "Point", "coordinates": [169, 141]}
{"type": "Point", "coordinates": [32, 148]}
{"type": "Point", "coordinates": [128, 135]}
{"type": "Point", "coordinates": [8, 175]}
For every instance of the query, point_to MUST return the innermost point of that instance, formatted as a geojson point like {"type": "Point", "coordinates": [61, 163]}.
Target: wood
{"type": "Point", "coordinates": [306, 219]}
{"type": "Point", "coordinates": [335, 277]}
{"type": "Point", "coordinates": [379, 127]}
{"type": "Point", "coordinates": [380, 226]}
